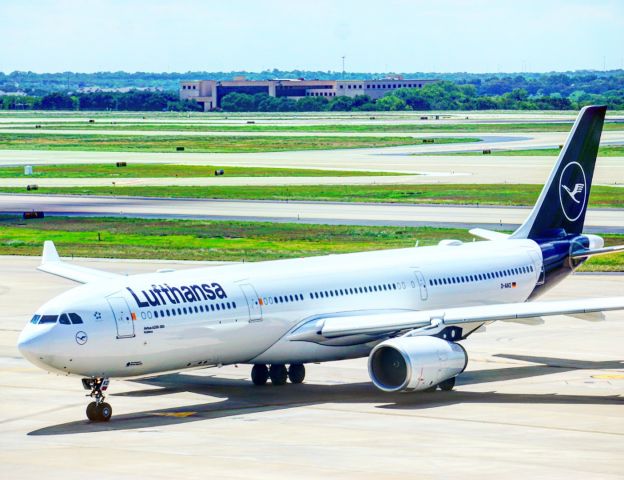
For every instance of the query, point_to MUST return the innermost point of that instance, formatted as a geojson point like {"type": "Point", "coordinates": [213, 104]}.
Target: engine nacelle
{"type": "Point", "coordinates": [415, 363]}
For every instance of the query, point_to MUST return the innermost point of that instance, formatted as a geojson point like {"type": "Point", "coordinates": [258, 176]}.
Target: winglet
{"type": "Point", "coordinates": [51, 263]}
{"type": "Point", "coordinates": [49, 253]}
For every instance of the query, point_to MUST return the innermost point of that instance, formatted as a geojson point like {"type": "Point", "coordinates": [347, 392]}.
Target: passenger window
{"type": "Point", "coordinates": [155, 313]}
{"type": "Point", "coordinates": [64, 319]}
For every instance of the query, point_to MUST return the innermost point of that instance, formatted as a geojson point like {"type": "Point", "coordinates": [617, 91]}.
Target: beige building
{"type": "Point", "coordinates": [210, 92]}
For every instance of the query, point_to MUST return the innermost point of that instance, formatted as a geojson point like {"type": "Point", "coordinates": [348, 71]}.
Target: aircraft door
{"type": "Point", "coordinates": [123, 317]}
{"type": "Point", "coordinates": [254, 304]}
{"type": "Point", "coordinates": [422, 285]}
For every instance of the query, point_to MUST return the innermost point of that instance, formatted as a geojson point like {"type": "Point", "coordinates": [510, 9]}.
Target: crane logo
{"type": "Point", "coordinates": [578, 188]}
{"type": "Point", "coordinates": [81, 338]}
{"type": "Point", "coordinates": [572, 191]}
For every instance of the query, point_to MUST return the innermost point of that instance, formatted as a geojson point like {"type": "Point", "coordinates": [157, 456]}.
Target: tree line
{"type": "Point", "coordinates": [443, 95]}
{"type": "Point", "coordinates": [564, 83]}
{"type": "Point", "coordinates": [134, 100]}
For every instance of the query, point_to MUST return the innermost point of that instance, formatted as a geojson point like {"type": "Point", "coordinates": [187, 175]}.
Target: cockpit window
{"type": "Point", "coordinates": [64, 319]}
{"type": "Point", "coordinates": [75, 318]}
{"type": "Point", "coordinates": [48, 319]}
{"type": "Point", "coordinates": [35, 319]}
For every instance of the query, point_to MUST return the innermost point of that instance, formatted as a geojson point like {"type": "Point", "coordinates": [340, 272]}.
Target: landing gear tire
{"type": "Point", "coordinates": [447, 385]}
{"type": "Point", "coordinates": [105, 412]}
{"type": "Point", "coordinates": [99, 413]}
{"type": "Point", "coordinates": [259, 374]}
{"type": "Point", "coordinates": [278, 374]}
{"type": "Point", "coordinates": [92, 413]}
{"type": "Point", "coordinates": [296, 373]}
{"type": "Point", "coordinates": [430, 389]}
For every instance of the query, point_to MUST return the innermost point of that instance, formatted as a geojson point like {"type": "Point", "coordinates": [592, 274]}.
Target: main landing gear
{"type": "Point", "coordinates": [278, 373]}
{"type": "Point", "coordinates": [98, 411]}
{"type": "Point", "coordinates": [446, 386]}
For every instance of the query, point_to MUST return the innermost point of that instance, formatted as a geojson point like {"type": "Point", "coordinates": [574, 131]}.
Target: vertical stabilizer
{"type": "Point", "coordinates": [563, 202]}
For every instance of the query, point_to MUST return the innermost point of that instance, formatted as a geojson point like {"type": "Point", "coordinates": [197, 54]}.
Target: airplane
{"type": "Point", "coordinates": [407, 310]}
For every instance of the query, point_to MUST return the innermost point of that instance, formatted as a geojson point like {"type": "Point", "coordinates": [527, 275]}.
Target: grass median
{"type": "Point", "coordinates": [159, 170]}
{"type": "Point", "coordinates": [224, 240]}
{"type": "Point", "coordinates": [498, 195]}
{"type": "Point", "coordinates": [199, 144]}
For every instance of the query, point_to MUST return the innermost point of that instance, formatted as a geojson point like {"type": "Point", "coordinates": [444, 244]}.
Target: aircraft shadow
{"type": "Point", "coordinates": [242, 397]}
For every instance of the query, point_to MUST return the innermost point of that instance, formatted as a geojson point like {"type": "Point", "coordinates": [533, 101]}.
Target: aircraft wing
{"type": "Point", "coordinates": [388, 323]}
{"type": "Point", "coordinates": [51, 263]}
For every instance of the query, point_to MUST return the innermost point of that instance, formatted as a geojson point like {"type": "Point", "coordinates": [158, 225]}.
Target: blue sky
{"type": "Point", "coordinates": [253, 35]}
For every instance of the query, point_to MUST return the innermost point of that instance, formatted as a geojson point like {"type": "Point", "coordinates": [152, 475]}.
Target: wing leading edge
{"type": "Point", "coordinates": [386, 323]}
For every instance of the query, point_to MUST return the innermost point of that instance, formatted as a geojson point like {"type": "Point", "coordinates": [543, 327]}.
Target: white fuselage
{"type": "Point", "coordinates": [244, 313]}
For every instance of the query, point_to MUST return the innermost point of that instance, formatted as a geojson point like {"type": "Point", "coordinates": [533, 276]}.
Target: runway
{"type": "Point", "coordinates": [535, 402]}
{"type": "Point", "coordinates": [601, 220]}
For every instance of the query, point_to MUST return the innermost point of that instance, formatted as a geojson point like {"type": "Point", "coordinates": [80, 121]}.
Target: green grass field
{"type": "Point", "coordinates": [209, 144]}
{"type": "Point", "coordinates": [504, 195]}
{"type": "Point", "coordinates": [506, 127]}
{"type": "Point", "coordinates": [158, 170]}
{"type": "Point", "coordinates": [603, 151]}
{"type": "Point", "coordinates": [213, 240]}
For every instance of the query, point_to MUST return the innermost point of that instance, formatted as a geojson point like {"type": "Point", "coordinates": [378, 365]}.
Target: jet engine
{"type": "Point", "coordinates": [411, 364]}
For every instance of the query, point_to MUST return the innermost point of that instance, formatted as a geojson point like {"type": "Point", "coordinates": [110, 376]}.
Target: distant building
{"type": "Point", "coordinates": [210, 92]}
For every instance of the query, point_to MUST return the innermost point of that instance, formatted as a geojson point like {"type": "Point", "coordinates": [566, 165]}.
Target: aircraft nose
{"type": "Point", "coordinates": [32, 346]}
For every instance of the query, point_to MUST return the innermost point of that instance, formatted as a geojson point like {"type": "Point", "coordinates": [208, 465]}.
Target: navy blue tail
{"type": "Point", "coordinates": [560, 209]}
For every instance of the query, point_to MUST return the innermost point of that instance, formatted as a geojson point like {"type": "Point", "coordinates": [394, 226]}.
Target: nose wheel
{"type": "Point", "coordinates": [99, 410]}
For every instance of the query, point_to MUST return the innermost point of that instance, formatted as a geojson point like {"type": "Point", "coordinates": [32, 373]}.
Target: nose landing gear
{"type": "Point", "coordinates": [98, 411]}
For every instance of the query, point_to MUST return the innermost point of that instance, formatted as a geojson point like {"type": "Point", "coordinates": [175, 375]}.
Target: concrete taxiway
{"type": "Point", "coordinates": [602, 220]}
{"type": "Point", "coordinates": [437, 168]}
{"type": "Point", "coordinates": [535, 402]}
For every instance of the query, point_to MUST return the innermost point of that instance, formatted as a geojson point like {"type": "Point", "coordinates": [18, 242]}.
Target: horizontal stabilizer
{"type": "Point", "coordinates": [597, 251]}
{"type": "Point", "coordinates": [51, 263]}
{"type": "Point", "coordinates": [488, 234]}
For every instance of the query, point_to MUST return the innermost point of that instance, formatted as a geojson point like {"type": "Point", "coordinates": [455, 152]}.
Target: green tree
{"type": "Point", "coordinates": [391, 103]}
{"type": "Point", "coordinates": [340, 104]}
{"type": "Point", "coordinates": [238, 102]}
{"type": "Point", "coordinates": [57, 101]}
{"type": "Point", "coordinates": [311, 104]}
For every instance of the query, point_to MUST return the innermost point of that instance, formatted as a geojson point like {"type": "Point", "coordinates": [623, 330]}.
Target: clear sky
{"type": "Point", "coordinates": [253, 35]}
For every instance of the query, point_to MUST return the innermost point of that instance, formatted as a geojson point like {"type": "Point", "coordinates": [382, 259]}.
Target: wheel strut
{"type": "Point", "coordinates": [99, 410]}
